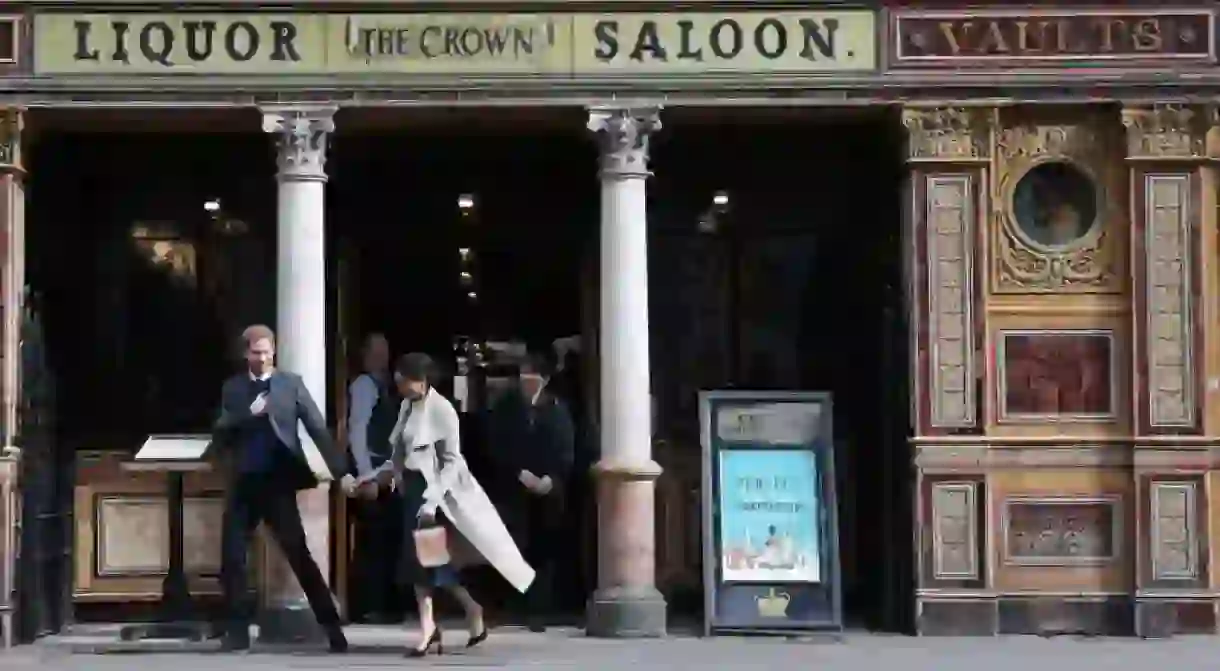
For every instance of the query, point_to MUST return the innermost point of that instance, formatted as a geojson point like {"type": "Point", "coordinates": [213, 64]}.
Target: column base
{"type": "Point", "coordinates": [292, 622]}
{"type": "Point", "coordinates": [626, 612]}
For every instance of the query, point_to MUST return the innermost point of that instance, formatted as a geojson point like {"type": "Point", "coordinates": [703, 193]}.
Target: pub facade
{"type": "Point", "coordinates": [1045, 399]}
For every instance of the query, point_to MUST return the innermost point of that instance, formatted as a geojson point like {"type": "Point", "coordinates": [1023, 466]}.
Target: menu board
{"type": "Point", "coordinates": [771, 560]}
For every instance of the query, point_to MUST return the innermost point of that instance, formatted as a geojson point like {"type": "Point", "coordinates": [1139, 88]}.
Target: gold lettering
{"type": "Point", "coordinates": [993, 41]}
{"type": "Point", "coordinates": [1062, 30]}
{"type": "Point", "coordinates": [1028, 43]}
{"type": "Point", "coordinates": [1106, 28]}
{"type": "Point", "coordinates": [1146, 36]}
{"type": "Point", "coordinates": [950, 35]}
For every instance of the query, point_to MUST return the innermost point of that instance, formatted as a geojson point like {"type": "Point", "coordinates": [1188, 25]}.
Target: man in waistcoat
{"type": "Point", "coordinates": [260, 411]}
{"type": "Point", "coordinates": [373, 404]}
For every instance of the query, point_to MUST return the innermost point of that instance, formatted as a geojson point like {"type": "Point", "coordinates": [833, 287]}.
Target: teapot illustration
{"type": "Point", "coordinates": [773, 604]}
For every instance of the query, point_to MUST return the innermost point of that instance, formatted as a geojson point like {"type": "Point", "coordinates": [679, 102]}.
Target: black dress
{"type": "Point", "coordinates": [410, 572]}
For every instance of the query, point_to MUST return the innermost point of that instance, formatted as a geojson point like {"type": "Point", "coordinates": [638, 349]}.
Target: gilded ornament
{"type": "Point", "coordinates": [1049, 174]}
{"type": "Point", "coordinates": [947, 133]}
{"type": "Point", "coordinates": [1167, 130]}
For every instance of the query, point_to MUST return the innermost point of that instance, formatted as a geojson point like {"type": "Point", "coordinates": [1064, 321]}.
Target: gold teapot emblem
{"type": "Point", "coordinates": [773, 604]}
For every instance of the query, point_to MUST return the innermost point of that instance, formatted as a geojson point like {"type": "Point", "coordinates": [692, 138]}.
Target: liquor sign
{"type": "Point", "coordinates": [770, 536]}
{"type": "Point", "coordinates": [563, 45]}
{"type": "Point", "coordinates": [1098, 37]}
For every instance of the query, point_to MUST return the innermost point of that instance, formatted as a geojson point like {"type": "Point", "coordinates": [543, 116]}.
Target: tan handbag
{"type": "Point", "coordinates": [432, 546]}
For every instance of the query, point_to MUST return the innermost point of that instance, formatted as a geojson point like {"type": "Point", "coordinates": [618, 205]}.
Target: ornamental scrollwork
{"type": "Point", "coordinates": [1056, 207]}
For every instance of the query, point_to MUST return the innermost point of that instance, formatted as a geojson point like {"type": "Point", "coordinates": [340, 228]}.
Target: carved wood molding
{"type": "Point", "coordinates": [1165, 319]}
{"type": "Point", "coordinates": [1093, 262]}
{"type": "Point", "coordinates": [949, 229]}
{"type": "Point", "coordinates": [12, 123]}
{"type": "Point", "coordinates": [947, 133]}
{"type": "Point", "coordinates": [1168, 130]}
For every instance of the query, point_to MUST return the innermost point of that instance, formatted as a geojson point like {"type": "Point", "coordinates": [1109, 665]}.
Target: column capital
{"type": "Point", "coordinates": [1169, 130]}
{"type": "Point", "coordinates": [947, 133]}
{"type": "Point", "coordinates": [301, 134]}
{"type": "Point", "coordinates": [623, 134]}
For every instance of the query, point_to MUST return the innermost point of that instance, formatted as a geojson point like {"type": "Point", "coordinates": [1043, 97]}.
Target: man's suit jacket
{"type": "Point", "coordinates": [288, 402]}
{"type": "Point", "coordinates": [543, 446]}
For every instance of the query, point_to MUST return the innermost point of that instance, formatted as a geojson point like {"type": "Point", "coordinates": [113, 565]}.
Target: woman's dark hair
{"type": "Point", "coordinates": [416, 366]}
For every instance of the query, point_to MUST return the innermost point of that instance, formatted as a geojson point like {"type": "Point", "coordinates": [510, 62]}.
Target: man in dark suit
{"type": "Point", "coordinates": [532, 439]}
{"type": "Point", "coordinates": [260, 411]}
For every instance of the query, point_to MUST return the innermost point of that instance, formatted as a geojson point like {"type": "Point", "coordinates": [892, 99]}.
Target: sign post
{"type": "Point", "coordinates": [770, 525]}
{"type": "Point", "coordinates": [175, 456]}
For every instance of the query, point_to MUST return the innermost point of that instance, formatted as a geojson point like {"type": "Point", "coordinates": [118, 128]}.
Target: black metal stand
{"type": "Point", "coordinates": [176, 619]}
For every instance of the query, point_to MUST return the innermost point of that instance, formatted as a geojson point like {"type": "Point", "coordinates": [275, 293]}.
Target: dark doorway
{"type": "Point", "coordinates": [466, 236]}
{"type": "Point", "coordinates": [146, 254]}
{"type": "Point", "coordinates": [776, 264]}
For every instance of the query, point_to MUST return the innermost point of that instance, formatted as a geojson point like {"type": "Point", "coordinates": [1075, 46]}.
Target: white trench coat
{"type": "Point", "coordinates": [426, 439]}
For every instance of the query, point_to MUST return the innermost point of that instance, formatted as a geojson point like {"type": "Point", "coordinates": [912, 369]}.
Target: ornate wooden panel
{"type": "Point", "coordinates": [948, 150]}
{"type": "Point", "coordinates": [1165, 144]}
{"type": "Point", "coordinates": [1164, 327]}
{"type": "Point", "coordinates": [1054, 375]}
{"type": "Point", "coordinates": [1059, 367]}
{"type": "Point", "coordinates": [951, 533]}
{"type": "Point", "coordinates": [1059, 218]}
{"type": "Point", "coordinates": [131, 535]}
{"type": "Point", "coordinates": [122, 548]}
{"type": "Point", "coordinates": [949, 229]}
{"type": "Point", "coordinates": [1061, 531]}
{"type": "Point", "coordinates": [1174, 544]}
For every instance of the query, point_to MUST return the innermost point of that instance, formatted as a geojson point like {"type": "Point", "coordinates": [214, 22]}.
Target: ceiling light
{"type": "Point", "coordinates": [465, 201]}
{"type": "Point", "coordinates": [721, 198]}
{"type": "Point", "coordinates": [212, 205]}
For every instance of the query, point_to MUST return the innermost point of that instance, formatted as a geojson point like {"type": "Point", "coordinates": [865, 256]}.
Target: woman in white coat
{"type": "Point", "coordinates": [438, 489]}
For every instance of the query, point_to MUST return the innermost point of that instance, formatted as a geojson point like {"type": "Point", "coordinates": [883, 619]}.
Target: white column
{"type": "Point", "coordinates": [626, 603]}
{"type": "Point", "coordinates": [301, 134]}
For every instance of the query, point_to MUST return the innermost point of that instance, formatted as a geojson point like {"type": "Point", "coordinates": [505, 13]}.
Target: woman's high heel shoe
{"type": "Point", "coordinates": [477, 639]}
{"type": "Point", "coordinates": [435, 638]}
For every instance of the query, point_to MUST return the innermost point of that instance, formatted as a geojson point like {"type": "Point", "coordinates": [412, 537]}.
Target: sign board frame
{"type": "Point", "coordinates": [172, 452]}
{"type": "Point", "coordinates": [812, 603]}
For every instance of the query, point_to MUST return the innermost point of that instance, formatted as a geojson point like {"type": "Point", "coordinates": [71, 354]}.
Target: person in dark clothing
{"type": "Point", "coordinates": [260, 411]}
{"type": "Point", "coordinates": [373, 403]}
{"type": "Point", "coordinates": [577, 560]}
{"type": "Point", "coordinates": [532, 443]}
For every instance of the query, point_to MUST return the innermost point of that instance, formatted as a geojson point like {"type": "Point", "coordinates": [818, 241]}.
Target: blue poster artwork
{"type": "Point", "coordinates": [769, 516]}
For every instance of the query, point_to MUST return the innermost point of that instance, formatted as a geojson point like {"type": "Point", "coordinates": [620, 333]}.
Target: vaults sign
{"type": "Point", "coordinates": [1099, 37]}
{"type": "Point", "coordinates": [456, 44]}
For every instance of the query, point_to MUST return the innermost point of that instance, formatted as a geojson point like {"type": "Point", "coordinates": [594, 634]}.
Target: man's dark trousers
{"type": "Point", "coordinates": [253, 498]}
{"type": "Point", "coordinates": [376, 550]}
{"type": "Point", "coordinates": [542, 517]}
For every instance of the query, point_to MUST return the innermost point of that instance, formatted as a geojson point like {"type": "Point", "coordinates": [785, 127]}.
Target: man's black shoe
{"type": "Point", "coordinates": [338, 642]}
{"type": "Point", "coordinates": [537, 627]}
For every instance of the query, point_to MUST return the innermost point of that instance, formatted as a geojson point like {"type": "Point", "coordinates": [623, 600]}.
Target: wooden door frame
{"type": "Point", "coordinates": [341, 530]}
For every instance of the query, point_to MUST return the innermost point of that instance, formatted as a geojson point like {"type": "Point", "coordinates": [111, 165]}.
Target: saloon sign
{"type": "Point", "coordinates": [1100, 37]}
{"type": "Point", "coordinates": [558, 45]}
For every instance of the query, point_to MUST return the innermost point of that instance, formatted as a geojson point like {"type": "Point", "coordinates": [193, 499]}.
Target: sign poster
{"type": "Point", "coordinates": [768, 516]}
{"type": "Point", "coordinates": [770, 531]}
